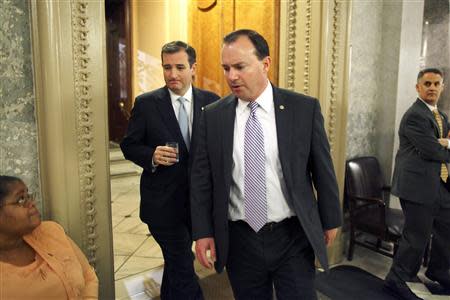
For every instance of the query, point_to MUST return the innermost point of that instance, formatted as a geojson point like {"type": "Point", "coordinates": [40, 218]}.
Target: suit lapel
{"type": "Point", "coordinates": [283, 119]}
{"type": "Point", "coordinates": [198, 104]}
{"type": "Point", "coordinates": [425, 110]}
{"type": "Point", "coordinates": [227, 120]}
{"type": "Point", "coordinates": [444, 123]}
{"type": "Point", "coordinates": [165, 108]}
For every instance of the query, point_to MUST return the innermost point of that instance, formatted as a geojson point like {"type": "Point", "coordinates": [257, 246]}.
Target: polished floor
{"type": "Point", "coordinates": [138, 260]}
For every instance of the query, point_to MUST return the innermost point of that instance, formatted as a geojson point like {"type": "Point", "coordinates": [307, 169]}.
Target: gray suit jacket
{"type": "Point", "coordinates": [305, 158]}
{"type": "Point", "coordinates": [418, 161]}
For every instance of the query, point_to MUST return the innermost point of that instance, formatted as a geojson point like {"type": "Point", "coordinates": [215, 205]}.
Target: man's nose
{"type": "Point", "coordinates": [173, 73]}
{"type": "Point", "coordinates": [233, 74]}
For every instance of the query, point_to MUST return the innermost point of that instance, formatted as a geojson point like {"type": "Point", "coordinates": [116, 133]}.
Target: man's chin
{"type": "Point", "coordinates": [173, 86]}
{"type": "Point", "coordinates": [431, 100]}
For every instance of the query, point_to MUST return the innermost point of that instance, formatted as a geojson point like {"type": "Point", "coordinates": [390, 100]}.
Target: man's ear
{"type": "Point", "coordinates": [267, 61]}
{"type": "Point", "coordinates": [193, 68]}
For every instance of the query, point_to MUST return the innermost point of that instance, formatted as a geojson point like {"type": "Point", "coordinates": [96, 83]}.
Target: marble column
{"type": "Point", "coordinates": [18, 129]}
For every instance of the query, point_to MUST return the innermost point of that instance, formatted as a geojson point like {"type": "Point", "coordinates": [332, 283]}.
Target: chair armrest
{"type": "Point", "coordinates": [355, 211]}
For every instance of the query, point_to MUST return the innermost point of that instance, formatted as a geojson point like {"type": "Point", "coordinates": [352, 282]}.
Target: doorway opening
{"type": "Point", "coordinates": [136, 30]}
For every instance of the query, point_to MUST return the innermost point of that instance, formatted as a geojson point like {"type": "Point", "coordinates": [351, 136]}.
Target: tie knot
{"type": "Point", "coordinates": [435, 112]}
{"type": "Point", "coordinates": [253, 106]}
{"type": "Point", "coordinates": [182, 100]}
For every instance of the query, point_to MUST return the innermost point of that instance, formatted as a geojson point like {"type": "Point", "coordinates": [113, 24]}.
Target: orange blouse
{"type": "Point", "coordinates": [60, 270]}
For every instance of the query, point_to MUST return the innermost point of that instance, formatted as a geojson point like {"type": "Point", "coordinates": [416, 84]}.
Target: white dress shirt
{"type": "Point", "coordinates": [277, 204]}
{"type": "Point", "coordinates": [188, 105]}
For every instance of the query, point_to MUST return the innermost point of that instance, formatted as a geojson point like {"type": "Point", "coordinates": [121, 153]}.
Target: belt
{"type": "Point", "coordinates": [270, 226]}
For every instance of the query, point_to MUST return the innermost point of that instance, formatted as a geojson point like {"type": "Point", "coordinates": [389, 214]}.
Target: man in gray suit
{"type": "Point", "coordinates": [420, 180]}
{"type": "Point", "coordinates": [253, 207]}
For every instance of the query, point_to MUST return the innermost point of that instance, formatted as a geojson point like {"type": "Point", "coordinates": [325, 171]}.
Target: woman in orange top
{"type": "Point", "coordinates": [37, 259]}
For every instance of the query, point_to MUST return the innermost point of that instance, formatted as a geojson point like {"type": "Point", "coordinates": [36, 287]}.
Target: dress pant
{"type": "Point", "coordinates": [420, 222]}
{"type": "Point", "coordinates": [278, 256]}
{"type": "Point", "coordinates": [179, 279]}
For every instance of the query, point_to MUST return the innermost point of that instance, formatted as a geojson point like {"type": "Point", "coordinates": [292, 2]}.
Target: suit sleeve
{"type": "Point", "coordinates": [133, 145]}
{"type": "Point", "coordinates": [419, 131]}
{"type": "Point", "coordinates": [201, 187]}
{"type": "Point", "coordinates": [323, 175]}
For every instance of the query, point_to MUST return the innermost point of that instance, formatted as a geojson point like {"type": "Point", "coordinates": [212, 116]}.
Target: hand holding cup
{"type": "Point", "coordinates": [166, 155]}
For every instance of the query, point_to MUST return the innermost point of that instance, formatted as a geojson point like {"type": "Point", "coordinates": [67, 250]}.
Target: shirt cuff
{"type": "Point", "coordinates": [154, 166]}
{"type": "Point", "coordinates": [448, 144]}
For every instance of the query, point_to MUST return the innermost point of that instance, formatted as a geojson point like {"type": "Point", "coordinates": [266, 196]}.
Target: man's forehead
{"type": "Point", "coordinates": [430, 76]}
{"type": "Point", "coordinates": [179, 56]}
{"type": "Point", "coordinates": [174, 64]}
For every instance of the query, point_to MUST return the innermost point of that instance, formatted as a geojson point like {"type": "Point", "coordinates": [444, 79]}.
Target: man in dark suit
{"type": "Point", "coordinates": [169, 114]}
{"type": "Point", "coordinates": [420, 180]}
{"type": "Point", "coordinates": [252, 200]}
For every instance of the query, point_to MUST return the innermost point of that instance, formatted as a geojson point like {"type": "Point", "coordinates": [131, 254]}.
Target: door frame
{"type": "Point", "coordinates": [69, 59]}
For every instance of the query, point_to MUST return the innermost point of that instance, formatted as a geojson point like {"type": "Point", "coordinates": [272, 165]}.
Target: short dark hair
{"type": "Point", "coordinates": [260, 43]}
{"type": "Point", "coordinates": [430, 70]}
{"type": "Point", "coordinates": [5, 185]}
{"type": "Point", "coordinates": [177, 46]}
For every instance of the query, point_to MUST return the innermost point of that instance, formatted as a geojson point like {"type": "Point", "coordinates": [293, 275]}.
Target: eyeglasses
{"type": "Point", "coordinates": [22, 201]}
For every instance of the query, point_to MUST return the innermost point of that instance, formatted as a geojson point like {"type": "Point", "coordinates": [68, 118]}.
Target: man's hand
{"type": "Point", "coordinates": [165, 156]}
{"type": "Point", "coordinates": [201, 248]}
{"type": "Point", "coordinates": [443, 142]}
{"type": "Point", "coordinates": [330, 235]}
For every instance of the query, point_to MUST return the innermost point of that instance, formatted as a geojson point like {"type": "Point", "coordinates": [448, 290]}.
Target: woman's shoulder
{"type": "Point", "coordinates": [49, 230]}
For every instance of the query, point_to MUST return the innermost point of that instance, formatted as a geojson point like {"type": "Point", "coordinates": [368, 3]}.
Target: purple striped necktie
{"type": "Point", "coordinates": [255, 204]}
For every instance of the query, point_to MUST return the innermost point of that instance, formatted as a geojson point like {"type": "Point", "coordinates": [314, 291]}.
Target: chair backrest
{"type": "Point", "coordinates": [363, 177]}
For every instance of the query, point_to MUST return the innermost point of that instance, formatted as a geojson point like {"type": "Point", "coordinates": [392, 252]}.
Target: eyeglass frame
{"type": "Point", "coordinates": [22, 201]}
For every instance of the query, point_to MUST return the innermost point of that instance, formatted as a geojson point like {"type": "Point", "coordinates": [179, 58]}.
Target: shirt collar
{"type": "Point", "coordinates": [187, 95]}
{"type": "Point", "coordinates": [265, 101]}
{"type": "Point", "coordinates": [431, 107]}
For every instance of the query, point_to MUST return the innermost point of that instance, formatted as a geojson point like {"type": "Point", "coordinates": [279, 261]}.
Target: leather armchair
{"type": "Point", "coordinates": [367, 202]}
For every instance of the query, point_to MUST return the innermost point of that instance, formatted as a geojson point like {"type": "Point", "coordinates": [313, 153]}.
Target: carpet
{"type": "Point", "coordinates": [349, 282]}
{"type": "Point", "coordinates": [217, 287]}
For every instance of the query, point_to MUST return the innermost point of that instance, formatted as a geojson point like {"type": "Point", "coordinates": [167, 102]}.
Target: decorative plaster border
{"type": "Point", "coordinates": [332, 110]}
{"type": "Point", "coordinates": [307, 59]}
{"type": "Point", "coordinates": [292, 25]}
{"type": "Point", "coordinates": [85, 127]}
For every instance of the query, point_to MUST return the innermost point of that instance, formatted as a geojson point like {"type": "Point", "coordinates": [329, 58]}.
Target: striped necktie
{"type": "Point", "coordinates": [255, 204]}
{"type": "Point", "coordinates": [444, 170]}
{"type": "Point", "coordinates": [183, 121]}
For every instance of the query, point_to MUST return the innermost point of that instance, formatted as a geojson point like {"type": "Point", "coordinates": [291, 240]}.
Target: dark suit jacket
{"type": "Point", "coordinates": [304, 156]}
{"type": "Point", "coordinates": [418, 162]}
{"type": "Point", "coordinates": [165, 192]}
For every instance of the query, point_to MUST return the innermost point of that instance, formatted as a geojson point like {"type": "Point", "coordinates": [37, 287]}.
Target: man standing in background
{"type": "Point", "coordinates": [421, 182]}
{"type": "Point", "coordinates": [161, 138]}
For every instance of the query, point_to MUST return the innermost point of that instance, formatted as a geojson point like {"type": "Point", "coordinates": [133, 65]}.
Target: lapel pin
{"type": "Point", "coordinates": [203, 108]}
{"type": "Point", "coordinates": [281, 107]}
